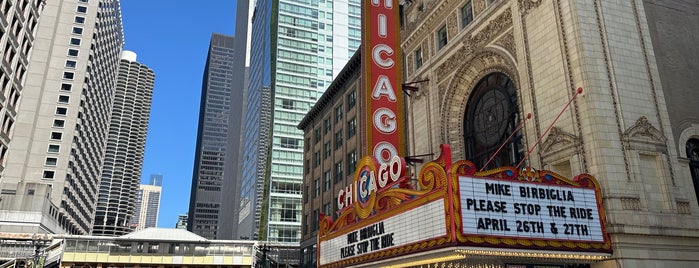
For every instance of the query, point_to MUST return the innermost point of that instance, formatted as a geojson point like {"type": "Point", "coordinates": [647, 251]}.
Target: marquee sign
{"type": "Point", "coordinates": [382, 215]}
{"type": "Point", "coordinates": [381, 60]}
{"type": "Point", "coordinates": [515, 209]}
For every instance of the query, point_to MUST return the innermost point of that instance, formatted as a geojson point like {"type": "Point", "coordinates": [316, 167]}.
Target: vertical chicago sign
{"type": "Point", "coordinates": [381, 58]}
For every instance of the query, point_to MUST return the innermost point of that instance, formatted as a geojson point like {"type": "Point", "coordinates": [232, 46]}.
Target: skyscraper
{"type": "Point", "coordinates": [300, 48]}
{"type": "Point", "coordinates": [205, 203]}
{"type": "Point", "coordinates": [54, 163]}
{"type": "Point", "coordinates": [17, 30]}
{"type": "Point", "coordinates": [228, 219]}
{"type": "Point", "coordinates": [121, 171]}
{"type": "Point", "coordinates": [148, 204]}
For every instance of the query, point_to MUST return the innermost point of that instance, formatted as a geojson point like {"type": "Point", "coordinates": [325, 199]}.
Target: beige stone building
{"type": "Point", "coordinates": [634, 127]}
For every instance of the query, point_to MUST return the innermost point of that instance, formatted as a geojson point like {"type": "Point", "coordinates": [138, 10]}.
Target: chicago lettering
{"type": "Point", "coordinates": [370, 182]}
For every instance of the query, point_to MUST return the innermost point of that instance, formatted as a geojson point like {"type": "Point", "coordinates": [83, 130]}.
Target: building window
{"type": "Point", "coordinates": [7, 124]}
{"type": "Point", "coordinates": [327, 209]}
{"type": "Point", "coordinates": [338, 139]}
{"type": "Point", "coordinates": [418, 58]}
{"type": "Point", "coordinates": [316, 159]}
{"type": "Point", "coordinates": [327, 149]}
{"type": "Point", "coordinates": [316, 193]}
{"type": "Point", "coordinates": [59, 123]}
{"type": "Point", "coordinates": [351, 161]}
{"type": "Point", "coordinates": [73, 52]}
{"type": "Point", "coordinates": [82, 9]}
{"type": "Point", "coordinates": [56, 135]}
{"type": "Point", "coordinates": [442, 37]}
{"type": "Point", "coordinates": [48, 174]}
{"type": "Point", "coordinates": [51, 161]}
{"type": "Point", "coordinates": [492, 113]}
{"type": "Point", "coordinates": [54, 148]}
{"type": "Point", "coordinates": [338, 113]}
{"type": "Point", "coordinates": [317, 135]}
{"type": "Point", "coordinates": [466, 14]}
{"type": "Point", "coordinates": [63, 99]}
{"type": "Point", "coordinates": [339, 175]}
{"type": "Point", "coordinates": [71, 64]}
{"type": "Point", "coordinates": [66, 87]}
{"type": "Point", "coordinates": [693, 155]}
{"type": "Point", "coordinates": [79, 19]}
{"type": "Point", "coordinates": [61, 110]}
{"type": "Point", "coordinates": [351, 100]}
{"type": "Point", "coordinates": [68, 75]}
{"type": "Point", "coordinates": [75, 41]}
{"type": "Point", "coordinates": [328, 125]}
{"type": "Point", "coordinates": [351, 127]}
{"type": "Point", "coordinates": [77, 30]}
{"type": "Point", "coordinates": [327, 181]}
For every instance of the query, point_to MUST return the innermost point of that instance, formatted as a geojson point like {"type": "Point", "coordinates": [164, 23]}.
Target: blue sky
{"type": "Point", "coordinates": [172, 38]}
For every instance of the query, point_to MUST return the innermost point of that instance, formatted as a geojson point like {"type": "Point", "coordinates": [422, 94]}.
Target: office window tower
{"type": "Point", "coordinates": [121, 171]}
{"type": "Point", "coordinates": [54, 163]}
{"type": "Point", "coordinates": [301, 49]}
{"type": "Point", "coordinates": [148, 204]}
{"type": "Point", "coordinates": [212, 138]}
{"type": "Point", "coordinates": [18, 25]}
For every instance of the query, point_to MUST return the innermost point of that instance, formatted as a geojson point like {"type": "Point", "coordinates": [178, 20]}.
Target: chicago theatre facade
{"type": "Point", "coordinates": [609, 88]}
{"type": "Point", "coordinates": [530, 134]}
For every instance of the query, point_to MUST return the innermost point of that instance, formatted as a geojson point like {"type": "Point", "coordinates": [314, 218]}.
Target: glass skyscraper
{"type": "Point", "coordinates": [299, 47]}
{"type": "Point", "coordinates": [205, 202]}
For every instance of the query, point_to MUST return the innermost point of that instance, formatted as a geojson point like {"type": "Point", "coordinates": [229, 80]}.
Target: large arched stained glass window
{"type": "Point", "coordinates": [492, 114]}
{"type": "Point", "coordinates": [693, 155]}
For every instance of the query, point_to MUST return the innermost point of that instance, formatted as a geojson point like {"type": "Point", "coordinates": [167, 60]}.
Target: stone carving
{"type": "Point", "coordinates": [452, 25]}
{"type": "Point", "coordinates": [494, 27]}
{"type": "Point", "coordinates": [558, 141]}
{"type": "Point", "coordinates": [644, 132]}
{"type": "Point", "coordinates": [451, 65]}
{"type": "Point", "coordinates": [508, 43]}
{"type": "Point", "coordinates": [527, 5]}
{"type": "Point", "coordinates": [631, 203]}
{"type": "Point", "coordinates": [478, 7]}
{"type": "Point", "coordinates": [683, 208]}
{"type": "Point", "coordinates": [476, 41]}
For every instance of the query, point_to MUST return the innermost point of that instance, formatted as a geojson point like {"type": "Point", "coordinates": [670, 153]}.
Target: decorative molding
{"type": "Point", "coordinates": [559, 141]}
{"type": "Point", "coordinates": [494, 28]}
{"type": "Point", "coordinates": [631, 203]}
{"type": "Point", "coordinates": [455, 91]}
{"type": "Point", "coordinates": [525, 6]}
{"type": "Point", "coordinates": [611, 82]}
{"type": "Point", "coordinates": [644, 132]}
{"type": "Point", "coordinates": [475, 42]}
{"type": "Point", "coordinates": [450, 65]}
{"type": "Point", "coordinates": [452, 25]}
{"type": "Point", "coordinates": [478, 7]}
{"type": "Point", "coordinates": [683, 207]}
{"type": "Point", "coordinates": [507, 42]}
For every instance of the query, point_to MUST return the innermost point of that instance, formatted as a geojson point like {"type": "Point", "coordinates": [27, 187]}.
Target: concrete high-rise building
{"type": "Point", "coordinates": [121, 171]}
{"type": "Point", "coordinates": [205, 204]}
{"type": "Point", "coordinates": [300, 48]}
{"type": "Point", "coordinates": [147, 204]}
{"type": "Point", "coordinates": [18, 25]}
{"type": "Point", "coordinates": [53, 167]}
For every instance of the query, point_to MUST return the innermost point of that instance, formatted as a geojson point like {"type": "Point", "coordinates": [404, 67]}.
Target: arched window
{"type": "Point", "coordinates": [693, 155]}
{"type": "Point", "coordinates": [492, 114]}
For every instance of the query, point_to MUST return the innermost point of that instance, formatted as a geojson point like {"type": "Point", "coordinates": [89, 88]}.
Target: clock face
{"type": "Point", "coordinates": [491, 116]}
